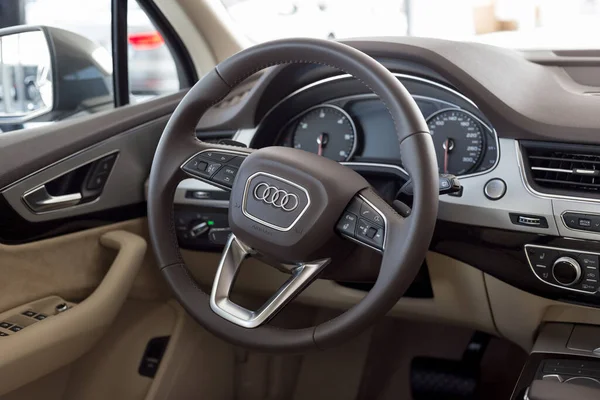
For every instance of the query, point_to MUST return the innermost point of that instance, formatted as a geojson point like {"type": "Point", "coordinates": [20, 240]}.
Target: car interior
{"type": "Point", "coordinates": [381, 217]}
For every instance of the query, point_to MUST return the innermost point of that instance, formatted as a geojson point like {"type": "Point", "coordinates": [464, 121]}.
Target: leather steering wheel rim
{"type": "Point", "coordinates": [407, 240]}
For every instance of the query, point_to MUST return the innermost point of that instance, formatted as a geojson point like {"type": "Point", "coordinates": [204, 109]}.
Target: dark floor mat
{"type": "Point", "coordinates": [395, 343]}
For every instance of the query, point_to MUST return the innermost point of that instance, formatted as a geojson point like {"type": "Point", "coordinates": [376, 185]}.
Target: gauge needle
{"type": "Point", "coordinates": [446, 149]}
{"type": "Point", "coordinates": [321, 142]}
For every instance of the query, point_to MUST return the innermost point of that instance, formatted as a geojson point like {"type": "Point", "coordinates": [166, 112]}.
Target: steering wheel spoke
{"type": "Point", "coordinates": [215, 164]}
{"type": "Point", "coordinates": [302, 274]}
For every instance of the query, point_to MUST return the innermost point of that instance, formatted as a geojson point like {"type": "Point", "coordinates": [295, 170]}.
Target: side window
{"type": "Point", "coordinates": [152, 69]}
{"type": "Point", "coordinates": [77, 77]}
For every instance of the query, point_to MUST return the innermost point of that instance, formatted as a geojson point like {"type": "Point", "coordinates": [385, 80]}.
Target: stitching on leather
{"type": "Point", "coordinates": [186, 271]}
{"type": "Point", "coordinates": [173, 234]}
{"type": "Point", "coordinates": [383, 203]}
{"type": "Point", "coordinates": [252, 72]}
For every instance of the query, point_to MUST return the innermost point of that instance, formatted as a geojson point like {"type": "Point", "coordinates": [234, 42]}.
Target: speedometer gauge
{"type": "Point", "coordinates": [458, 139]}
{"type": "Point", "coordinates": [327, 131]}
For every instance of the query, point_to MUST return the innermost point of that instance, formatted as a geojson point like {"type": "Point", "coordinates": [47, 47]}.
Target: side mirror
{"type": "Point", "coordinates": [48, 74]}
{"type": "Point", "coordinates": [26, 84]}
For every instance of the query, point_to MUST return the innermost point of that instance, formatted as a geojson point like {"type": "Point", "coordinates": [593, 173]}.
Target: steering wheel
{"type": "Point", "coordinates": [293, 209]}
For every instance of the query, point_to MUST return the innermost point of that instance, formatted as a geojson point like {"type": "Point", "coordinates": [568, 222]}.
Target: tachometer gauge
{"type": "Point", "coordinates": [458, 139]}
{"type": "Point", "coordinates": [327, 131]}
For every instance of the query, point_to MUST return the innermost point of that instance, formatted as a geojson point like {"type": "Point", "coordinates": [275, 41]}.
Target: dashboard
{"type": "Point", "coordinates": [520, 131]}
{"type": "Point", "coordinates": [501, 211]}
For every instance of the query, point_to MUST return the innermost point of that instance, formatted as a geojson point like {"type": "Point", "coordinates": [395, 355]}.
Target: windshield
{"type": "Point", "coordinates": [520, 24]}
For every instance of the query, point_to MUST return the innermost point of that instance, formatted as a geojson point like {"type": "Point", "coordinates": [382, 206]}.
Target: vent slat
{"type": "Point", "coordinates": [567, 170]}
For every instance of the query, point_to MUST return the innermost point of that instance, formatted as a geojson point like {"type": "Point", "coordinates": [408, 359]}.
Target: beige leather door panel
{"type": "Point", "coordinates": [43, 346]}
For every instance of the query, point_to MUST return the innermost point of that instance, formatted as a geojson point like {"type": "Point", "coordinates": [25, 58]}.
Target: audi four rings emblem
{"type": "Point", "coordinates": [276, 197]}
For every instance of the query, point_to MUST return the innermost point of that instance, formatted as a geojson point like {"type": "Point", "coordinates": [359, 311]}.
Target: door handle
{"type": "Point", "coordinates": [39, 200]}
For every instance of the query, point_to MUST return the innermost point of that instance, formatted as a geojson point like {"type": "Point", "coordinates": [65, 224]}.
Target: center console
{"type": "Point", "coordinates": [564, 364]}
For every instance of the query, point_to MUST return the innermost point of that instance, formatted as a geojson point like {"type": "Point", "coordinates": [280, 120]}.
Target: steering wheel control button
{"type": "Point", "coordinates": [369, 213]}
{"type": "Point", "coordinates": [217, 156]}
{"type": "Point", "coordinates": [201, 166]}
{"type": "Point", "coordinates": [364, 230]}
{"type": "Point", "coordinates": [494, 189]}
{"type": "Point", "coordinates": [347, 224]}
{"type": "Point", "coordinates": [566, 271]}
{"type": "Point", "coordinates": [212, 168]}
{"type": "Point", "coordinates": [226, 176]}
{"type": "Point", "coordinates": [236, 161]}
{"type": "Point", "coordinates": [355, 206]}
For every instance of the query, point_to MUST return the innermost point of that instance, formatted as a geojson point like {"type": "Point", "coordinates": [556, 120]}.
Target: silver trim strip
{"type": "Point", "coordinates": [566, 171]}
{"type": "Point", "coordinates": [558, 377]}
{"type": "Point", "coordinates": [260, 221]}
{"type": "Point", "coordinates": [348, 76]}
{"type": "Point", "coordinates": [385, 228]}
{"type": "Point", "coordinates": [234, 254]}
{"type": "Point", "coordinates": [533, 246]}
{"type": "Point", "coordinates": [582, 377]}
{"type": "Point", "coordinates": [39, 200]}
{"type": "Point", "coordinates": [521, 164]}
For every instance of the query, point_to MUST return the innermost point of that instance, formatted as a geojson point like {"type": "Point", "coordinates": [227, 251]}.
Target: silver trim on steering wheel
{"type": "Point", "coordinates": [234, 254]}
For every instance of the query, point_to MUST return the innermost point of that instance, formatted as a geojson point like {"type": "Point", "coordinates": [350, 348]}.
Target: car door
{"type": "Point", "coordinates": [83, 310]}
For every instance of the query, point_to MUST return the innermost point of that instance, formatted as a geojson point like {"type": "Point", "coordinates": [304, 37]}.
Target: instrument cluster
{"type": "Point", "coordinates": [356, 130]}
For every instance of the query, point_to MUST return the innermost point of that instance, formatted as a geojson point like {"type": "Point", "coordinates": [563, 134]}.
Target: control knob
{"type": "Point", "coordinates": [566, 271]}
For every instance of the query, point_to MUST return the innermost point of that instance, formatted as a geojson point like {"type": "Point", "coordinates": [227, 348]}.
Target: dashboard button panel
{"type": "Point", "coordinates": [567, 269]}
{"type": "Point", "coordinates": [582, 222]}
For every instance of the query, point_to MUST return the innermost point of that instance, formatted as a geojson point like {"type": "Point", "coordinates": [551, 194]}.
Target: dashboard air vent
{"type": "Point", "coordinates": [566, 169]}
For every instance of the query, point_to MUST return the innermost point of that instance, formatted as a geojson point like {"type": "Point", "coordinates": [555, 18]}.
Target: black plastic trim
{"type": "Point", "coordinates": [119, 52]}
{"type": "Point", "coordinates": [14, 229]}
{"type": "Point", "coordinates": [186, 71]}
